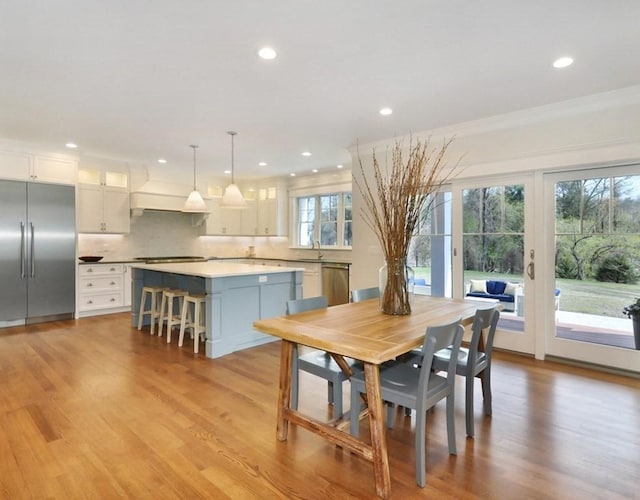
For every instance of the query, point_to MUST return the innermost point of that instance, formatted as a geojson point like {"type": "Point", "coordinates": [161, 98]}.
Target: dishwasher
{"type": "Point", "coordinates": [335, 283]}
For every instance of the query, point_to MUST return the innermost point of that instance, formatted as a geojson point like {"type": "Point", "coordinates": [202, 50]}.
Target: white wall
{"type": "Point", "coordinates": [598, 130]}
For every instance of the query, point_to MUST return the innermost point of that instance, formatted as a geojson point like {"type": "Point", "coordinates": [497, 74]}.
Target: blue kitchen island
{"type": "Point", "coordinates": [236, 296]}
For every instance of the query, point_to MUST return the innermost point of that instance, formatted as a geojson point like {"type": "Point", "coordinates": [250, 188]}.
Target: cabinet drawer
{"type": "Point", "coordinates": [91, 270]}
{"type": "Point", "coordinates": [101, 283]}
{"type": "Point", "coordinates": [100, 301]}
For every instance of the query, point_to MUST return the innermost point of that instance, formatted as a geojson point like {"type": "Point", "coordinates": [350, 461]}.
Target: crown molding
{"type": "Point", "coordinates": [572, 107]}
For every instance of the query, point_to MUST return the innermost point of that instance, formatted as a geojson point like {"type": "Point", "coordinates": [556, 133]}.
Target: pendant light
{"type": "Point", "coordinates": [232, 197]}
{"type": "Point", "coordinates": [195, 203]}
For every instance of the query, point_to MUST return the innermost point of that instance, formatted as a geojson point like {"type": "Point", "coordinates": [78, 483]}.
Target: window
{"type": "Point", "coordinates": [325, 218]}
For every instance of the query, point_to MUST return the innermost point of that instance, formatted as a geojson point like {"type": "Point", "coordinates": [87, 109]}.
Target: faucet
{"type": "Point", "coordinates": [313, 246]}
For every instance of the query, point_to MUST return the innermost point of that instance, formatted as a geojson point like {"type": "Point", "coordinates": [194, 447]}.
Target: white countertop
{"type": "Point", "coordinates": [215, 269]}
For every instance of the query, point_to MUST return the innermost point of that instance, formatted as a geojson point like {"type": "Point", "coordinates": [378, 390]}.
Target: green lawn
{"type": "Point", "coordinates": [591, 297]}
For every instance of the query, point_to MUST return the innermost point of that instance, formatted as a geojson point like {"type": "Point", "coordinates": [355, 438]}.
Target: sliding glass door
{"type": "Point", "coordinates": [494, 254]}
{"type": "Point", "coordinates": [593, 221]}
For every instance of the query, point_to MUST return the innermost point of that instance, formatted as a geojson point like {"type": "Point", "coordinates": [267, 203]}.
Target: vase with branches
{"type": "Point", "coordinates": [401, 192]}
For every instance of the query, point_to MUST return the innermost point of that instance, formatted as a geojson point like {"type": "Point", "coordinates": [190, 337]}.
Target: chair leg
{"type": "Point", "coordinates": [294, 378]}
{"type": "Point", "coordinates": [143, 300]}
{"type": "Point", "coordinates": [330, 393]}
{"type": "Point", "coordinates": [183, 322]}
{"type": "Point", "coordinates": [468, 410]}
{"type": "Point", "coordinates": [451, 425]}
{"type": "Point", "coordinates": [485, 379]}
{"type": "Point", "coordinates": [354, 412]}
{"type": "Point", "coordinates": [419, 445]}
{"type": "Point", "coordinates": [169, 318]}
{"type": "Point", "coordinates": [391, 415]}
{"type": "Point", "coordinates": [336, 396]}
{"type": "Point", "coordinates": [163, 305]}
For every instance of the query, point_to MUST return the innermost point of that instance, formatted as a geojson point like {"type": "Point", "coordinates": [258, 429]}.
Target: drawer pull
{"type": "Point", "coordinates": [89, 285]}
{"type": "Point", "coordinates": [89, 301]}
{"type": "Point", "coordinates": [90, 270]}
{"type": "Point", "coordinates": [112, 299]}
{"type": "Point", "coordinates": [113, 283]}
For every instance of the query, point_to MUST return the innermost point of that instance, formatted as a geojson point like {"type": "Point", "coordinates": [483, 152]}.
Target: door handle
{"type": "Point", "coordinates": [531, 270]}
{"type": "Point", "coordinates": [33, 246]}
{"type": "Point", "coordinates": [23, 251]}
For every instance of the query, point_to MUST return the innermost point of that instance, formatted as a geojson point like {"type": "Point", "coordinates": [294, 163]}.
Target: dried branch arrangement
{"type": "Point", "coordinates": [394, 205]}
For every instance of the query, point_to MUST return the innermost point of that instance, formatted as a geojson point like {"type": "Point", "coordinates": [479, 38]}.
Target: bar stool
{"type": "Point", "coordinates": [197, 325]}
{"type": "Point", "coordinates": [169, 297]}
{"type": "Point", "coordinates": [153, 312]}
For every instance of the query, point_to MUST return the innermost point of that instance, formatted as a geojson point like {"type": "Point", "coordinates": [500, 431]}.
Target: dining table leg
{"type": "Point", "coordinates": [284, 389]}
{"type": "Point", "coordinates": [378, 435]}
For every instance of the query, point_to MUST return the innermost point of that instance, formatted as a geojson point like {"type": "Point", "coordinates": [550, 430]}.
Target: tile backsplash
{"type": "Point", "coordinates": [157, 233]}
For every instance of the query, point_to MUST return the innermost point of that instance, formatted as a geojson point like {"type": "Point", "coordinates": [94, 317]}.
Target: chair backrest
{"type": "Point", "coordinates": [364, 294]}
{"type": "Point", "coordinates": [295, 306]}
{"type": "Point", "coordinates": [436, 338]}
{"type": "Point", "coordinates": [484, 320]}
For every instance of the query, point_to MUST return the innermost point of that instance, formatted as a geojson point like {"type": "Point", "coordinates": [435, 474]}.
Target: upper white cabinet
{"type": "Point", "coordinates": [231, 221]}
{"type": "Point", "coordinates": [37, 168]}
{"type": "Point", "coordinates": [103, 201]}
{"type": "Point", "coordinates": [222, 221]}
{"type": "Point", "coordinates": [272, 211]}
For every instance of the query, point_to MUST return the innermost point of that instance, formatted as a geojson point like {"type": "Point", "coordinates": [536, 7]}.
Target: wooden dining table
{"type": "Point", "coordinates": [359, 331]}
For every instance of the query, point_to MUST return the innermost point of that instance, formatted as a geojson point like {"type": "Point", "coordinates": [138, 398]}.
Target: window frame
{"type": "Point", "coordinates": [341, 221]}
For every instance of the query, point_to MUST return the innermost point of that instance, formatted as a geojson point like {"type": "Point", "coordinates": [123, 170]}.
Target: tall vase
{"type": "Point", "coordinates": [396, 281]}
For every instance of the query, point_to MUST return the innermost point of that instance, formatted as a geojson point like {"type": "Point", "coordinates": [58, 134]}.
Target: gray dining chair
{"type": "Point", "coordinates": [364, 294]}
{"type": "Point", "coordinates": [317, 362]}
{"type": "Point", "coordinates": [473, 362]}
{"type": "Point", "coordinates": [419, 388]}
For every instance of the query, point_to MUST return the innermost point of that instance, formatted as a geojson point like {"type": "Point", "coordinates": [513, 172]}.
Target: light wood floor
{"type": "Point", "coordinates": [95, 409]}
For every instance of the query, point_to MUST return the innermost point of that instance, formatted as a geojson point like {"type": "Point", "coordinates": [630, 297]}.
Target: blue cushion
{"type": "Point", "coordinates": [496, 287]}
{"type": "Point", "coordinates": [499, 296]}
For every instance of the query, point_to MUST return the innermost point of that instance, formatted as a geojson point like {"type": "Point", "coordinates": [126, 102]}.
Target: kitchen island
{"type": "Point", "coordinates": [236, 296]}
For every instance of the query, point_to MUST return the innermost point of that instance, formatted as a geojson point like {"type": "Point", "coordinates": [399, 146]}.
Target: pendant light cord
{"type": "Point", "coordinates": [194, 146]}
{"type": "Point", "coordinates": [232, 134]}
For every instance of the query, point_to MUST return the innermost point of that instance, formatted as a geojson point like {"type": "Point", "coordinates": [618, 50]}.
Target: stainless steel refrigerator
{"type": "Point", "coordinates": [37, 252]}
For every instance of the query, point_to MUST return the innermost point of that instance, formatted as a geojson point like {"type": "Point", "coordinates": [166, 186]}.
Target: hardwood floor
{"type": "Point", "coordinates": [96, 409]}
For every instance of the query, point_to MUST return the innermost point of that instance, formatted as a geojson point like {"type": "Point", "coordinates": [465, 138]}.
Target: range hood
{"type": "Point", "coordinates": [155, 195]}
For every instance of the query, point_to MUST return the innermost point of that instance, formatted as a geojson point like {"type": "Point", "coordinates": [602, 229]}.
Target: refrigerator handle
{"type": "Point", "coordinates": [33, 258]}
{"type": "Point", "coordinates": [23, 252]}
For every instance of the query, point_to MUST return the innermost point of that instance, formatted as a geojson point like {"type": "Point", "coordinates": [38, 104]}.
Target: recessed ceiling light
{"type": "Point", "coordinates": [71, 145]}
{"type": "Point", "coordinates": [262, 164]}
{"type": "Point", "coordinates": [306, 153]}
{"type": "Point", "coordinates": [385, 111]}
{"type": "Point", "coordinates": [292, 174]}
{"type": "Point", "coordinates": [162, 160]}
{"type": "Point", "coordinates": [339, 166]}
{"type": "Point", "coordinates": [563, 62]}
{"type": "Point", "coordinates": [315, 170]}
{"type": "Point", "coordinates": [267, 53]}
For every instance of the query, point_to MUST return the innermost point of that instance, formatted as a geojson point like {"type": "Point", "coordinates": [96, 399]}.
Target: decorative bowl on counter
{"type": "Point", "coordinates": [90, 258]}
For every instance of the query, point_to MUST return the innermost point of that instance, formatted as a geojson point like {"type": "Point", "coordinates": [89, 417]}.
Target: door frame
{"type": "Point", "coordinates": [527, 341]}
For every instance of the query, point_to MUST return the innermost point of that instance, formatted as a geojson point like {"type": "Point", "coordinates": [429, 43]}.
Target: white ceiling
{"type": "Point", "coordinates": [143, 79]}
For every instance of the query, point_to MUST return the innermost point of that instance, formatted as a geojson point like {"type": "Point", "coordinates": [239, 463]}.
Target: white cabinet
{"type": "Point", "coordinates": [222, 221]}
{"type": "Point", "coordinates": [271, 212]}
{"type": "Point", "coordinates": [101, 289]}
{"type": "Point", "coordinates": [249, 219]}
{"type": "Point", "coordinates": [126, 283]}
{"type": "Point", "coordinates": [312, 278]}
{"type": "Point", "coordinates": [37, 168]}
{"type": "Point", "coordinates": [103, 202]}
